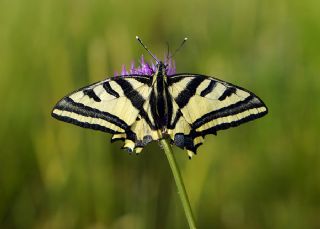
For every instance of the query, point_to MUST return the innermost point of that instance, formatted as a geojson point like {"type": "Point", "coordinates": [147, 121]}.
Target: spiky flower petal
{"type": "Point", "coordinates": [147, 69]}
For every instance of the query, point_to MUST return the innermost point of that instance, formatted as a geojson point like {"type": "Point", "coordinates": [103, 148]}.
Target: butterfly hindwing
{"type": "Point", "coordinates": [205, 105]}
{"type": "Point", "coordinates": [118, 105]}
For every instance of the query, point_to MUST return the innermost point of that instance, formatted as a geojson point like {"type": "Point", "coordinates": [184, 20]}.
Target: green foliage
{"type": "Point", "coordinates": [264, 174]}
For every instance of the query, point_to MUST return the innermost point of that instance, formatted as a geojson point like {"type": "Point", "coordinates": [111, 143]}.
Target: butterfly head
{"type": "Point", "coordinates": [162, 68]}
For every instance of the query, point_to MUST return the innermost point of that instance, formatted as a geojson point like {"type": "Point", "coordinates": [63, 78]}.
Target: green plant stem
{"type": "Point", "coordinates": [179, 182]}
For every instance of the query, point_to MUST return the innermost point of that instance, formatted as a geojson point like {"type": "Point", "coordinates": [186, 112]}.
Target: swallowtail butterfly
{"type": "Point", "coordinates": [150, 103]}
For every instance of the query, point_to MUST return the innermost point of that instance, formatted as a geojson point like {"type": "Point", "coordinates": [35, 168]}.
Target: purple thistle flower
{"type": "Point", "coordinates": [171, 69]}
{"type": "Point", "coordinates": [124, 71]}
{"type": "Point", "coordinates": [148, 69]}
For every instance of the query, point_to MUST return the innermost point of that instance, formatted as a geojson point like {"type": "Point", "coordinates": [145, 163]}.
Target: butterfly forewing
{"type": "Point", "coordinates": [118, 105]}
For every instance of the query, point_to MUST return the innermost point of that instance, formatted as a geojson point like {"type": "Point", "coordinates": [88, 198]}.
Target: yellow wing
{"type": "Point", "coordinates": [203, 105]}
{"type": "Point", "coordinates": [118, 105]}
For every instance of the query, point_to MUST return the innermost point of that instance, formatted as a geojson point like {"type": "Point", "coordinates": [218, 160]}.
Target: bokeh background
{"type": "Point", "coordinates": [264, 174]}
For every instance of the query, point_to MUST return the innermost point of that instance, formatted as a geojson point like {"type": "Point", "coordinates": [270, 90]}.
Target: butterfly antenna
{"type": "Point", "coordinates": [145, 47]}
{"type": "Point", "coordinates": [180, 46]}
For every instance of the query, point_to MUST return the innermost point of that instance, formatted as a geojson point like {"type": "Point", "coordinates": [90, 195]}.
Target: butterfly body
{"type": "Point", "coordinates": [159, 97]}
{"type": "Point", "coordinates": [140, 108]}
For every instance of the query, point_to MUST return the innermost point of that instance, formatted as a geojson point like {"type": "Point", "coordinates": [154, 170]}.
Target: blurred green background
{"type": "Point", "coordinates": [264, 174]}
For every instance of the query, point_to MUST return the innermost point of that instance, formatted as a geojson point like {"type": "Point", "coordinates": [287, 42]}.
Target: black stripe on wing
{"type": "Point", "coordinates": [109, 89]}
{"type": "Point", "coordinates": [91, 94]}
{"type": "Point", "coordinates": [223, 126]}
{"type": "Point", "coordinates": [228, 92]}
{"type": "Point", "coordinates": [209, 88]}
{"type": "Point", "coordinates": [249, 103]}
{"type": "Point", "coordinates": [136, 99]}
{"type": "Point", "coordinates": [67, 104]}
{"type": "Point", "coordinates": [178, 115]}
{"type": "Point", "coordinates": [169, 107]}
{"type": "Point", "coordinates": [83, 124]}
{"type": "Point", "coordinates": [186, 94]}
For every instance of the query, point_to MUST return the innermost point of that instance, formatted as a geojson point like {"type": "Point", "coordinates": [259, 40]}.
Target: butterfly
{"type": "Point", "coordinates": [150, 102]}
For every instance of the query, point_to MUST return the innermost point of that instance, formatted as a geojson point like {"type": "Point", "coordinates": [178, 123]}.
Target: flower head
{"type": "Point", "coordinates": [146, 68]}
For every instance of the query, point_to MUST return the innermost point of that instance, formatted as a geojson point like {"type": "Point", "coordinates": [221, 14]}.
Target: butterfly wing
{"type": "Point", "coordinates": [203, 105]}
{"type": "Point", "coordinates": [117, 105]}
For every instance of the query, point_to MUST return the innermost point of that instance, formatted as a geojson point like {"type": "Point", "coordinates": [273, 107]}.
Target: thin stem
{"type": "Point", "coordinates": [179, 183]}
